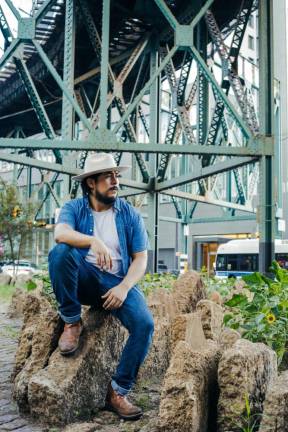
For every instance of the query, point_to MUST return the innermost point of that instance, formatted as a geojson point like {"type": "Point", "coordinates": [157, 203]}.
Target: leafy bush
{"type": "Point", "coordinates": [151, 282]}
{"type": "Point", "coordinates": [222, 286]}
{"type": "Point", "coordinates": [262, 316]}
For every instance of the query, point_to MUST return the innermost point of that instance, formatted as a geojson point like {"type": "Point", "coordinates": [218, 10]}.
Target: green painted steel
{"type": "Point", "coordinates": [129, 81]}
{"type": "Point", "coordinates": [267, 198]}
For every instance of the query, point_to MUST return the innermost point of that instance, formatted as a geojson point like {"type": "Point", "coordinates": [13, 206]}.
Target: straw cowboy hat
{"type": "Point", "coordinates": [99, 163]}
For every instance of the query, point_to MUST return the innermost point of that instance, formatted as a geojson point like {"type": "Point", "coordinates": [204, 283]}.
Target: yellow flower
{"type": "Point", "coordinates": [270, 318]}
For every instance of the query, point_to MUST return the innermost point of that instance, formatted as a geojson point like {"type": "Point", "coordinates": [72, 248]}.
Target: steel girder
{"type": "Point", "coordinates": [256, 145]}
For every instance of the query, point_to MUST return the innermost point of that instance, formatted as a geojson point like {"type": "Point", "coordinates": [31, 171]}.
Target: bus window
{"type": "Point", "coordinates": [231, 262]}
{"type": "Point", "coordinates": [248, 262]}
{"type": "Point", "coordinates": [221, 263]}
{"type": "Point", "coordinates": [282, 259]}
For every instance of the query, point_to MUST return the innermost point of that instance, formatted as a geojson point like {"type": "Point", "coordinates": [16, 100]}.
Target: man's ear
{"type": "Point", "coordinates": [90, 182]}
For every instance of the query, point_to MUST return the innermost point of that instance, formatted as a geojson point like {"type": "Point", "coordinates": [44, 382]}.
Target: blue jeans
{"type": "Point", "coordinates": [76, 282]}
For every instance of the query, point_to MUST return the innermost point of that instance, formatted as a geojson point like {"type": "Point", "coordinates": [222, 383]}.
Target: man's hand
{"type": "Point", "coordinates": [115, 297]}
{"type": "Point", "coordinates": [102, 253]}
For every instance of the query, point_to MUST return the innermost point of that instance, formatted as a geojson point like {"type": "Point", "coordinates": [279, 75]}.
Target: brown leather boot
{"type": "Point", "coordinates": [69, 339]}
{"type": "Point", "coordinates": [121, 406]}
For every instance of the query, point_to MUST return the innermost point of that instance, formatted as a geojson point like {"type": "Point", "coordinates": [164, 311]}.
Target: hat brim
{"type": "Point", "coordinates": [81, 177]}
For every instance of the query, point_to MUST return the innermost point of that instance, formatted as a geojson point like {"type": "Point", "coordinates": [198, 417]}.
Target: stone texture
{"type": "Point", "coordinates": [188, 327]}
{"type": "Point", "coordinates": [275, 414]}
{"type": "Point", "coordinates": [69, 388]}
{"type": "Point", "coordinates": [5, 279]}
{"type": "Point", "coordinates": [188, 401]}
{"type": "Point", "coordinates": [188, 290]}
{"type": "Point", "coordinates": [245, 371]}
{"type": "Point", "coordinates": [165, 306]}
{"type": "Point", "coordinates": [211, 317]}
{"type": "Point", "coordinates": [83, 427]}
{"type": "Point", "coordinates": [157, 360]}
{"type": "Point", "coordinates": [17, 303]}
{"type": "Point", "coordinates": [228, 337]}
{"type": "Point", "coordinates": [40, 332]}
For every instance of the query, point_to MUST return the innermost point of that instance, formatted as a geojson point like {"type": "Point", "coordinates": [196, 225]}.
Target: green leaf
{"type": "Point", "coordinates": [30, 285]}
{"type": "Point", "coordinates": [237, 300]}
{"type": "Point", "coordinates": [254, 278]}
{"type": "Point", "coordinates": [227, 318]}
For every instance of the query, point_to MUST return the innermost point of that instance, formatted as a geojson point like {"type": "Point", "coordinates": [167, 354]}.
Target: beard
{"type": "Point", "coordinates": [105, 199]}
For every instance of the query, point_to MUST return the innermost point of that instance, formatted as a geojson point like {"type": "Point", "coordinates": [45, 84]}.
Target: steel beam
{"type": "Point", "coordinates": [266, 189]}
{"type": "Point", "coordinates": [208, 200]}
{"type": "Point", "coordinates": [260, 146]}
{"type": "Point", "coordinates": [205, 172]}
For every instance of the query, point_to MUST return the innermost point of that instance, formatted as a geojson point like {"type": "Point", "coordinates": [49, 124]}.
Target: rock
{"type": "Point", "coordinates": [228, 337]}
{"type": "Point", "coordinates": [275, 414]}
{"type": "Point", "coordinates": [157, 360]}
{"type": "Point", "coordinates": [21, 280]}
{"type": "Point", "coordinates": [39, 336]}
{"type": "Point", "coordinates": [165, 306]}
{"type": "Point", "coordinates": [63, 389]}
{"type": "Point", "coordinates": [83, 427]}
{"type": "Point", "coordinates": [70, 388]}
{"type": "Point", "coordinates": [188, 327]}
{"type": "Point", "coordinates": [188, 290]}
{"type": "Point", "coordinates": [216, 297]}
{"type": "Point", "coordinates": [5, 279]}
{"type": "Point", "coordinates": [211, 317]}
{"type": "Point", "coordinates": [245, 371]}
{"type": "Point", "coordinates": [17, 303]}
{"type": "Point", "coordinates": [188, 401]}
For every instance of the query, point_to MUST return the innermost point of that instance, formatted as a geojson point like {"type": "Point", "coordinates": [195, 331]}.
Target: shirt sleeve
{"type": "Point", "coordinates": [67, 215]}
{"type": "Point", "coordinates": [140, 240]}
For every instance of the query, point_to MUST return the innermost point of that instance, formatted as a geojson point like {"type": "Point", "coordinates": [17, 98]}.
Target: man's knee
{"type": "Point", "coordinates": [60, 253]}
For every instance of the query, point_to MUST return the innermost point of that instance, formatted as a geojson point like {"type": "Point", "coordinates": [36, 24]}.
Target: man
{"type": "Point", "coordinates": [100, 255]}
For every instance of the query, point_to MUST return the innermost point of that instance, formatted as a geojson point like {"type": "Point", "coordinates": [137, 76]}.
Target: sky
{"type": "Point", "coordinates": [25, 5]}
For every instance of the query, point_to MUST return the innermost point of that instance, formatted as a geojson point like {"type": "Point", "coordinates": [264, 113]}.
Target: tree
{"type": "Point", "coordinates": [16, 218]}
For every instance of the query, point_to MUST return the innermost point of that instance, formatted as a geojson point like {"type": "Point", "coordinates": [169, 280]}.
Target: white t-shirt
{"type": "Point", "coordinates": [105, 230]}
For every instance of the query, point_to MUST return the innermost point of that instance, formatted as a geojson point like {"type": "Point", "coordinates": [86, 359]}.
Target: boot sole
{"type": "Point", "coordinates": [68, 353]}
{"type": "Point", "coordinates": [124, 417]}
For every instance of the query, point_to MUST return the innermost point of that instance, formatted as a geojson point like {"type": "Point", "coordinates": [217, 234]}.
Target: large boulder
{"type": "Point", "coordinates": [275, 414]}
{"type": "Point", "coordinates": [38, 339]}
{"type": "Point", "coordinates": [189, 394]}
{"type": "Point", "coordinates": [244, 374]}
{"type": "Point", "coordinates": [61, 389]}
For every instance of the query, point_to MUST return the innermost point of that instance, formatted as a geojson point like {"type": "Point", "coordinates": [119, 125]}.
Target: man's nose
{"type": "Point", "coordinates": [114, 179]}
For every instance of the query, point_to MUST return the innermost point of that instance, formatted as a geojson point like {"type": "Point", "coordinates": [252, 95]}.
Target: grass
{"type": "Point", "coordinates": [6, 292]}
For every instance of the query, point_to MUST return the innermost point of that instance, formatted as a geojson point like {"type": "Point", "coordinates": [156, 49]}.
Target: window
{"type": "Point", "coordinates": [248, 262]}
{"type": "Point", "coordinates": [221, 263]}
{"type": "Point", "coordinates": [251, 21]}
{"type": "Point", "coordinates": [251, 44]}
{"type": "Point", "coordinates": [232, 262]}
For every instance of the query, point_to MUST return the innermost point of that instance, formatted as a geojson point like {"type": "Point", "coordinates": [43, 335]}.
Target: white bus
{"type": "Point", "coordinates": [239, 257]}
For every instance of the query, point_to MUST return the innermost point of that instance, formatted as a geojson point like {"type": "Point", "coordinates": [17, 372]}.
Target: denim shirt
{"type": "Point", "coordinates": [129, 223]}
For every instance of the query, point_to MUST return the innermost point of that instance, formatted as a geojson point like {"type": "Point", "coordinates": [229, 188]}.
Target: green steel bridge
{"type": "Point", "coordinates": [85, 75]}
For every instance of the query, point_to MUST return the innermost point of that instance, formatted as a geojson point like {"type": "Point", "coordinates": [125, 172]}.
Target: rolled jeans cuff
{"type": "Point", "coordinates": [118, 389]}
{"type": "Point", "coordinates": [70, 320]}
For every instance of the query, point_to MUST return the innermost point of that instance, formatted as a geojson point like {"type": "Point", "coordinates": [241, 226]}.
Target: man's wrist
{"type": "Point", "coordinates": [125, 286]}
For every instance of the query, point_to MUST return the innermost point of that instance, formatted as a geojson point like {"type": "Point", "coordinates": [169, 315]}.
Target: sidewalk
{"type": "Point", "coordinates": [10, 419]}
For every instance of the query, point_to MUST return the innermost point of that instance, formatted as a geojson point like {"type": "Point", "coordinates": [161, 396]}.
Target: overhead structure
{"type": "Point", "coordinates": [87, 75]}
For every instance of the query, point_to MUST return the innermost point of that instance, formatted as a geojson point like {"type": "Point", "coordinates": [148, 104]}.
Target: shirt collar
{"type": "Point", "coordinates": [116, 204]}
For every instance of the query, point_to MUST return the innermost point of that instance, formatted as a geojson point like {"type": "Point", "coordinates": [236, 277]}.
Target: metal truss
{"type": "Point", "coordinates": [123, 83]}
